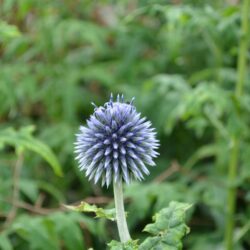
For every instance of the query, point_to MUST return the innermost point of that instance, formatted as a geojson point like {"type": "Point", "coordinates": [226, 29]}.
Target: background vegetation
{"type": "Point", "coordinates": [178, 58]}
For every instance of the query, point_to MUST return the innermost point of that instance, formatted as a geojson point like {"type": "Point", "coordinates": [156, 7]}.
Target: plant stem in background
{"type": "Point", "coordinates": [120, 213]}
{"type": "Point", "coordinates": [234, 156]}
{"type": "Point", "coordinates": [15, 195]}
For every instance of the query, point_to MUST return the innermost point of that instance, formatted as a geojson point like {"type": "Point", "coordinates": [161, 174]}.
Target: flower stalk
{"type": "Point", "coordinates": [120, 213]}
{"type": "Point", "coordinates": [234, 156]}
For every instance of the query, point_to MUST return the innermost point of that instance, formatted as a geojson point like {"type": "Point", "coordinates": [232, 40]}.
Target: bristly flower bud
{"type": "Point", "coordinates": [116, 143]}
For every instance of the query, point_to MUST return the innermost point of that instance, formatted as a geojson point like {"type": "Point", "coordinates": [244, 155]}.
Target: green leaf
{"type": "Point", "coordinates": [168, 228]}
{"type": "Point", "coordinates": [99, 212]}
{"type": "Point", "coordinates": [23, 139]}
{"type": "Point", "coordinates": [29, 188]}
{"type": "Point", "coordinates": [50, 232]}
{"type": "Point", "coordinates": [8, 31]}
{"type": "Point", "coordinates": [201, 153]}
{"type": "Point", "coordinates": [5, 243]}
{"type": "Point", "coordinates": [130, 245]}
{"type": "Point", "coordinates": [39, 232]}
{"type": "Point", "coordinates": [72, 238]}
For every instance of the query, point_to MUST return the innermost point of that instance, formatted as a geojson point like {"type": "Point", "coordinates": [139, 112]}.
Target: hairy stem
{"type": "Point", "coordinates": [234, 155]}
{"type": "Point", "coordinates": [120, 213]}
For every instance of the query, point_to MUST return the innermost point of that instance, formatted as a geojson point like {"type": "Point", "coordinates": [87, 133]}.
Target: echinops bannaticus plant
{"type": "Point", "coordinates": [116, 145]}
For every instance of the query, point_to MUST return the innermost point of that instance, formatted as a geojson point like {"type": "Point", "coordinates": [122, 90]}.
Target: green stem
{"type": "Point", "coordinates": [120, 213]}
{"type": "Point", "coordinates": [234, 156]}
{"type": "Point", "coordinates": [242, 58]}
{"type": "Point", "coordinates": [232, 171]}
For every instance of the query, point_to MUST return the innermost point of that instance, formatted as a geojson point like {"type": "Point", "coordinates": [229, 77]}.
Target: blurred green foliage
{"type": "Point", "coordinates": [178, 58]}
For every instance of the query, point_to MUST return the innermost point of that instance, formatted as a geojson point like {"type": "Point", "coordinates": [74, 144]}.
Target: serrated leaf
{"type": "Point", "coordinates": [130, 245]}
{"type": "Point", "coordinates": [99, 212]}
{"type": "Point", "coordinates": [150, 243]}
{"type": "Point", "coordinates": [168, 228]}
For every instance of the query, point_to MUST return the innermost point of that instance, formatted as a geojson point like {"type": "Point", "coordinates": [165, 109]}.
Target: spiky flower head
{"type": "Point", "coordinates": [116, 143]}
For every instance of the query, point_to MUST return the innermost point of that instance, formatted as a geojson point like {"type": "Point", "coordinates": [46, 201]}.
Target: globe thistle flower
{"type": "Point", "coordinates": [117, 144]}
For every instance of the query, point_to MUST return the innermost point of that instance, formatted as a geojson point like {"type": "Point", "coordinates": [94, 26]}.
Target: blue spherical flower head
{"type": "Point", "coordinates": [117, 144]}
